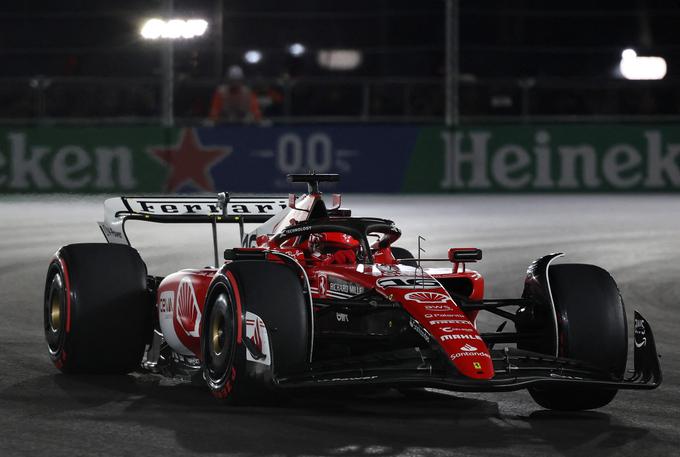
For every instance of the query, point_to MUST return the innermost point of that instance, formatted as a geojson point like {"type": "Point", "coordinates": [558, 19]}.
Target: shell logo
{"type": "Point", "coordinates": [426, 297]}
{"type": "Point", "coordinates": [187, 313]}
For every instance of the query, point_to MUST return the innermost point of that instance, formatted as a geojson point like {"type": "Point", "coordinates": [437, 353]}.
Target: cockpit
{"type": "Point", "coordinates": [338, 240]}
{"type": "Point", "coordinates": [319, 235]}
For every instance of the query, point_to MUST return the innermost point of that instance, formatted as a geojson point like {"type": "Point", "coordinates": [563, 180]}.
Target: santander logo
{"type": "Point", "coordinates": [468, 348]}
{"type": "Point", "coordinates": [187, 313]}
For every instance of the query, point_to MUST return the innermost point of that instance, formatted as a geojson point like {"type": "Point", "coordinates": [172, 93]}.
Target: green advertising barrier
{"type": "Point", "coordinates": [546, 158]}
{"type": "Point", "coordinates": [83, 160]}
{"type": "Point", "coordinates": [371, 158]}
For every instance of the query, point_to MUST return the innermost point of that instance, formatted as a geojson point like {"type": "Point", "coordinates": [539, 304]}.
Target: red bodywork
{"type": "Point", "coordinates": [435, 315]}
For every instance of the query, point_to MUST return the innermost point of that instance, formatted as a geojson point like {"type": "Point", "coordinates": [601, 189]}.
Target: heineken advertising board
{"type": "Point", "coordinates": [383, 158]}
{"type": "Point", "coordinates": [571, 158]}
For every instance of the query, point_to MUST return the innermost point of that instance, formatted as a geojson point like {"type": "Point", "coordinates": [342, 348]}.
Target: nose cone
{"type": "Point", "coordinates": [433, 309]}
{"type": "Point", "coordinates": [472, 360]}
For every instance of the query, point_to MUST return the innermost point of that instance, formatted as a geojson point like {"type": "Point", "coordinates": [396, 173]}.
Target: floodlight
{"type": "Point", "coordinates": [296, 49]}
{"type": "Point", "coordinates": [252, 56]}
{"type": "Point", "coordinates": [173, 29]}
{"type": "Point", "coordinates": [339, 59]}
{"type": "Point", "coordinates": [637, 67]}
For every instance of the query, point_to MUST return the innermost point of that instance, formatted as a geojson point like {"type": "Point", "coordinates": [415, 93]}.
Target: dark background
{"type": "Point", "coordinates": [533, 64]}
{"type": "Point", "coordinates": [85, 59]}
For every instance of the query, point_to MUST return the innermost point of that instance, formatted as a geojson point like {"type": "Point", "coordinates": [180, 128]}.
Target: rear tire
{"type": "Point", "coordinates": [97, 310]}
{"type": "Point", "coordinates": [592, 327]}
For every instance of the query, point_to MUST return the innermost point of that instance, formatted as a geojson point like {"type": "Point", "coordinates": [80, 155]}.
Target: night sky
{"type": "Point", "coordinates": [398, 38]}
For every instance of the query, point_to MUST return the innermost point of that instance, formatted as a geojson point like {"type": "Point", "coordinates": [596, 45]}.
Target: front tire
{"type": "Point", "coordinates": [224, 354]}
{"type": "Point", "coordinates": [273, 296]}
{"type": "Point", "coordinates": [592, 328]}
{"type": "Point", "coordinates": [97, 310]}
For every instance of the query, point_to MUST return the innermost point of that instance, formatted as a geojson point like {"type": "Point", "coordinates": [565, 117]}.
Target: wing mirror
{"type": "Point", "coordinates": [337, 201]}
{"type": "Point", "coordinates": [459, 256]}
{"type": "Point", "coordinates": [292, 198]}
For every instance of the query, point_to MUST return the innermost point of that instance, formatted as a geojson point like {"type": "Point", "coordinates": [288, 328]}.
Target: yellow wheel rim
{"type": "Point", "coordinates": [55, 311]}
{"type": "Point", "coordinates": [217, 339]}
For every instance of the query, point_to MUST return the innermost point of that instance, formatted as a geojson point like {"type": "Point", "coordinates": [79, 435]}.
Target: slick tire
{"type": "Point", "coordinates": [592, 328]}
{"type": "Point", "coordinates": [273, 292]}
{"type": "Point", "coordinates": [97, 310]}
{"type": "Point", "coordinates": [403, 254]}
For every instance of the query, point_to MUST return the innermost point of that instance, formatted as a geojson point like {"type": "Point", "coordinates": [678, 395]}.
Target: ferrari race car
{"type": "Point", "coordinates": [316, 298]}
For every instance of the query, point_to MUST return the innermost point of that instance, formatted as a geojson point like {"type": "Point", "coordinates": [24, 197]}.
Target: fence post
{"type": "Point", "coordinates": [366, 100]}
{"type": "Point", "coordinates": [167, 75]}
{"type": "Point", "coordinates": [452, 63]}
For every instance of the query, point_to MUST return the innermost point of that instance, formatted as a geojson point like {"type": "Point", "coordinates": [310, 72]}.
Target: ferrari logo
{"type": "Point", "coordinates": [477, 365]}
{"type": "Point", "coordinates": [323, 284]}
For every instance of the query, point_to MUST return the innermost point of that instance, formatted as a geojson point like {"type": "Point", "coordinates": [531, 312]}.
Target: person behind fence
{"type": "Point", "coordinates": [233, 101]}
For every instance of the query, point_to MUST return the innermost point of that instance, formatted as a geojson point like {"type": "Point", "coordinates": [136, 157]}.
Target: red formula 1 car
{"type": "Point", "coordinates": [316, 298]}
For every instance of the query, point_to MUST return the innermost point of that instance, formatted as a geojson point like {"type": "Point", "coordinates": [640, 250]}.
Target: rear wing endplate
{"type": "Point", "coordinates": [220, 208]}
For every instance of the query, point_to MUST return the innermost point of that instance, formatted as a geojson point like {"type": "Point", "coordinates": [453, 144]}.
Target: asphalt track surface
{"type": "Point", "coordinates": [43, 412]}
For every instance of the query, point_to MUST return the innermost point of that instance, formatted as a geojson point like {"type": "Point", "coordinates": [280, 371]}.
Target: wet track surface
{"type": "Point", "coordinates": [636, 238]}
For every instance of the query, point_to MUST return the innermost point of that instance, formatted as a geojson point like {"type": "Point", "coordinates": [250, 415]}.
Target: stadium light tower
{"type": "Point", "coordinates": [169, 30]}
{"type": "Point", "coordinates": [452, 63]}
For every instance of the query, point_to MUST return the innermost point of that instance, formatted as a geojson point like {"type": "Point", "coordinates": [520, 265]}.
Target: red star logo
{"type": "Point", "coordinates": [190, 162]}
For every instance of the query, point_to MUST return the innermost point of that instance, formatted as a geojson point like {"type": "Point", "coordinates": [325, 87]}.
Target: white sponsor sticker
{"type": "Point", "coordinates": [438, 308]}
{"type": "Point", "coordinates": [419, 329]}
{"type": "Point", "coordinates": [459, 329]}
{"type": "Point", "coordinates": [469, 354]}
{"type": "Point", "coordinates": [166, 303]}
{"type": "Point", "coordinates": [404, 282]}
{"type": "Point", "coordinates": [448, 329]}
{"type": "Point", "coordinates": [453, 315]}
{"type": "Point", "coordinates": [640, 334]}
{"type": "Point", "coordinates": [459, 337]}
{"type": "Point", "coordinates": [178, 206]}
{"type": "Point", "coordinates": [356, 378]}
{"type": "Point", "coordinates": [257, 332]}
{"type": "Point", "coordinates": [449, 321]}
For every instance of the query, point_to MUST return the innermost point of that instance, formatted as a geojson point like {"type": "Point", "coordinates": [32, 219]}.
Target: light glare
{"type": "Point", "coordinates": [628, 54]}
{"type": "Point", "coordinates": [339, 59]}
{"type": "Point", "coordinates": [253, 56]}
{"type": "Point", "coordinates": [639, 68]}
{"type": "Point", "coordinates": [155, 28]}
{"type": "Point", "coordinates": [296, 49]}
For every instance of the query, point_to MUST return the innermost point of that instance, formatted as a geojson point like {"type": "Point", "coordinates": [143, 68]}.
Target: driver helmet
{"type": "Point", "coordinates": [331, 242]}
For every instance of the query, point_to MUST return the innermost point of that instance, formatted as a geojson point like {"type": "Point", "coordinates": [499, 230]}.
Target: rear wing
{"type": "Point", "coordinates": [221, 208]}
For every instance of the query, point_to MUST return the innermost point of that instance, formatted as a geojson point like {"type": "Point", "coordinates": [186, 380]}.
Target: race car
{"type": "Point", "coordinates": [315, 298]}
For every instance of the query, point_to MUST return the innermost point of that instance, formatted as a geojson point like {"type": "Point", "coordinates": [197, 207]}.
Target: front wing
{"type": "Point", "coordinates": [515, 369]}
